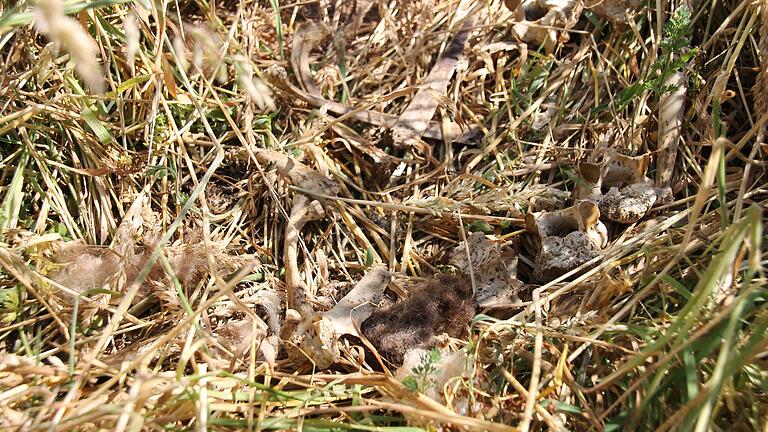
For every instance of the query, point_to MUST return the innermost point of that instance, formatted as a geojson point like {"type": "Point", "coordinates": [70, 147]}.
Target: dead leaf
{"type": "Point", "coordinates": [168, 78]}
{"type": "Point", "coordinates": [314, 338]}
{"type": "Point", "coordinates": [350, 312]}
{"type": "Point", "coordinates": [415, 120]}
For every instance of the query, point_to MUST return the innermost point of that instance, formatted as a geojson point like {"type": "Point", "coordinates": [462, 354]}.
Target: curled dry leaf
{"type": "Point", "coordinates": [315, 338]}
{"type": "Point", "coordinates": [451, 365]}
{"type": "Point", "coordinates": [537, 21]}
{"type": "Point", "coordinates": [630, 194]}
{"type": "Point", "coordinates": [354, 308]}
{"type": "Point", "coordinates": [494, 268]}
{"type": "Point", "coordinates": [617, 11]}
{"type": "Point", "coordinates": [565, 239]}
{"type": "Point", "coordinates": [608, 287]}
{"type": "Point", "coordinates": [299, 174]}
{"type": "Point", "coordinates": [415, 120]}
{"type": "Point", "coordinates": [306, 37]}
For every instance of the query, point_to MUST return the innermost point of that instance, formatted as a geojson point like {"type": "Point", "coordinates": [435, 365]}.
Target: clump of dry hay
{"type": "Point", "coordinates": [226, 172]}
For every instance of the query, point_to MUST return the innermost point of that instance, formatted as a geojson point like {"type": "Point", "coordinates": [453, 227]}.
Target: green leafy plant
{"type": "Point", "coordinates": [423, 374]}
{"type": "Point", "coordinates": [674, 57]}
{"type": "Point", "coordinates": [10, 304]}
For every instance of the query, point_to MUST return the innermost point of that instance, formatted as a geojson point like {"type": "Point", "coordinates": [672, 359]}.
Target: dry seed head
{"type": "Point", "coordinates": [181, 53]}
{"type": "Point", "coordinates": [132, 36]}
{"type": "Point", "coordinates": [207, 52]}
{"type": "Point", "coordinates": [255, 88]}
{"type": "Point", "coordinates": [68, 33]}
{"type": "Point", "coordinates": [48, 11]}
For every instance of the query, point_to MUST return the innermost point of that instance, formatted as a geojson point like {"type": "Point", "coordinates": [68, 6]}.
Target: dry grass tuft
{"type": "Point", "coordinates": [187, 189]}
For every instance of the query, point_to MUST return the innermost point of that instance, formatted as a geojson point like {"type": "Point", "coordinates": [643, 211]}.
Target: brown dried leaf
{"type": "Point", "coordinates": [415, 120]}
{"type": "Point", "coordinates": [350, 312]}
{"type": "Point", "coordinates": [300, 174]}
{"type": "Point", "coordinates": [315, 338]}
{"type": "Point", "coordinates": [306, 37]}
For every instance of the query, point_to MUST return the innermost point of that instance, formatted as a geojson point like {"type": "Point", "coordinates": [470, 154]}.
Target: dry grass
{"type": "Point", "coordinates": [153, 232]}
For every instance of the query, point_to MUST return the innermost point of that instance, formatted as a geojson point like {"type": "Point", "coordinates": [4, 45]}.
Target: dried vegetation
{"type": "Point", "coordinates": [383, 215]}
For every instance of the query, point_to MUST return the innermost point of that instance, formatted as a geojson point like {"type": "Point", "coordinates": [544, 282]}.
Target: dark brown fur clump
{"type": "Point", "coordinates": [443, 304]}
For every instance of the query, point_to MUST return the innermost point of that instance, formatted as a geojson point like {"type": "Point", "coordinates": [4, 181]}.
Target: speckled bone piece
{"type": "Point", "coordinates": [494, 269]}
{"type": "Point", "coordinates": [629, 193]}
{"type": "Point", "coordinates": [565, 239]}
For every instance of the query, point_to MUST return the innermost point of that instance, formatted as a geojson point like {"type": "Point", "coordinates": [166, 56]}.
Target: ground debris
{"type": "Point", "coordinates": [514, 254]}
{"type": "Point", "coordinates": [565, 239]}
{"type": "Point", "coordinates": [493, 267]}
{"type": "Point", "coordinates": [314, 337]}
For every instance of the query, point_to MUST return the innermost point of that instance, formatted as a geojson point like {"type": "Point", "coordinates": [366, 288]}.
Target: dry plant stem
{"type": "Point", "coordinates": [761, 86]}
{"type": "Point", "coordinates": [142, 361]}
{"type": "Point", "coordinates": [307, 36]}
{"type": "Point", "coordinates": [564, 71]}
{"type": "Point", "coordinates": [16, 267]}
{"type": "Point", "coordinates": [553, 423]}
{"type": "Point", "coordinates": [533, 388]}
{"type": "Point", "coordinates": [761, 108]}
{"type": "Point", "coordinates": [412, 209]}
{"type": "Point", "coordinates": [468, 423]}
{"type": "Point", "coordinates": [671, 112]}
{"type": "Point", "coordinates": [133, 289]}
{"type": "Point", "coordinates": [704, 192]}
{"type": "Point", "coordinates": [415, 120]}
{"type": "Point", "coordinates": [143, 371]}
{"type": "Point", "coordinates": [302, 211]}
{"type": "Point", "coordinates": [451, 132]}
